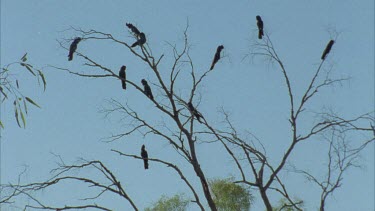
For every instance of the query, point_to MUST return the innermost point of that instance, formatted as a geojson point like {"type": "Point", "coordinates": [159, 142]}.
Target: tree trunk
{"type": "Point", "coordinates": [197, 168]}
{"type": "Point", "coordinates": [321, 205]}
{"type": "Point", "coordinates": [203, 180]}
{"type": "Point", "coordinates": [266, 201]}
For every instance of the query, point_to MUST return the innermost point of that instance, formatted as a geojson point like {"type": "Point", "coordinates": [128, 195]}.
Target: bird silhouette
{"type": "Point", "coordinates": [122, 76]}
{"type": "Point", "coordinates": [328, 49]}
{"type": "Point", "coordinates": [141, 40]}
{"type": "Point", "coordinates": [144, 156]}
{"type": "Point", "coordinates": [133, 28]}
{"type": "Point", "coordinates": [147, 89]}
{"type": "Point", "coordinates": [73, 47]}
{"type": "Point", "coordinates": [260, 26]}
{"type": "Point", "coordinates": [217, 56]}
{"type": "Point", "coordinates": [195, 112]}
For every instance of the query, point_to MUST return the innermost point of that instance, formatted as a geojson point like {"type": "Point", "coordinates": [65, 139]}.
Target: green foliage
{"type": "Point", "coordinates": [229, 196]}
{"type": "Point", "coordinates": [10, 89]}
{"type": "Point", "coordinates": [175, 203]}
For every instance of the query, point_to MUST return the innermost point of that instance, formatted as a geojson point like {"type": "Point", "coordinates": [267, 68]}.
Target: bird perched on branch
{"type": "Point", "coordinates": [141, 40]}
{"type": "Point", "coordinates": [195, 112]}
{"type": "Point", "coordinates": [133, 29]}
{"type": "Point", "coordinates": [328, 49]}
{"type": "Point", "coordinates": [144, 155]}
{"type": "Point", "coordinates": [260, 26]}
{"type": "Point", "coordinates": [73, 47]}
{"type": "Point", "coordinates": [147, 89]}
{"type": "Point", "coordinates": [217, 56]}
{"type": "Point", "coordinates": [122, 75]}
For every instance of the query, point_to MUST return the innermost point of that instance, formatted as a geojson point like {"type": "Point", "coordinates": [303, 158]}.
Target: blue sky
{"type": "Point", "coordinates": [70, 124]}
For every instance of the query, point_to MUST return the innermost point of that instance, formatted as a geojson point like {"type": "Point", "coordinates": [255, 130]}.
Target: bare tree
{"type": "Point", "coordinates": [183, 134]}
{"type": "Point", "coordinates": [341, 156]}
{"type": "Point", "coordinates": [266, 176]}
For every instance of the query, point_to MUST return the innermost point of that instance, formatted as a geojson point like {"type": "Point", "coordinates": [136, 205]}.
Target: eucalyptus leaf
{"type": "Point", "coordinates": [24, 58]}
{"type": "Point", "coordinates": [16, 115]}
{"type": "Point", "coordinates": [32, 102]}
{"type": "Point", "coordinates": [28, 67]}
{"type": "Point", "coordinates": [23, 119]}
{"type": "Point", "coordinates": [43, 79]}
{"type": "Point", "coordinates": [25, 106]}
{"type": "Point", "coordinates": [1, 90]}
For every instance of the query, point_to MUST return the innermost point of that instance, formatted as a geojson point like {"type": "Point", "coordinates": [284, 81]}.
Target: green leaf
{"type": "Point", "coordinates": [1, 90]}
{"type": "Point", "coordinates": [24, 58]}
{"type": "Point", "coordinates": [16, 115]}
{"type": "Point", "coordinates": [25, 106]}
{"type": "Point", "coordinates": [23, 119]}
{"type": "Point", "coordinates": [228, 195]}
{"type": "Point", "coordinates": [43, 79]}
{"type": "Point", "coordinates": [175, 203]}
{"type": "Point", "coordinates": [1, 124]}
{"type": "Point", "coordinates": [32, 102]}
{"type": "Point", "coordinates": [28, 67]}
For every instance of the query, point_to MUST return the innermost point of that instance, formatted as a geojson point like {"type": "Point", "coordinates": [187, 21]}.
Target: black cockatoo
{"type": "Point", "coordinates": [144, 155]}
{"type": "Point", "coordinates": [328, 49]}
{"type": "Point", "coordinates": [260, 26]}
{"type": "Point", "coordinates": [147, 89]}
{"type": "Point", "coordinates": [141, 40]}
{"type": "Point", "coordinates": [195, 112]}
{"type": "Point", "coordinates": [122, 75]}
{"type": "Point", "coordinates": [73, 47]}
{"type": "Point", "coordinates": [217, 56]}
{"type": "Point", "coordinates": [133, 29]}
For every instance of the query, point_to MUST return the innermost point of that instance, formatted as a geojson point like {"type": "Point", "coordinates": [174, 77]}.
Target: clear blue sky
{"type": "Point", "coordinates": [70, 125]}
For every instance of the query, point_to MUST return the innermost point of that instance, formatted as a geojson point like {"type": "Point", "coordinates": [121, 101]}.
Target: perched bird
{"type": "Point", "coordinates": [147, 89]}
{"type": "Point", "coordinates": [73, 47]}
{"type": "Point", "coordinates": [260, 26]}
{"type": "Point", "coordinates": [141, 40]}
{"type": "Point", "coordinates": [144, 155]}
{"type": "Point", "coordinates": [328, 49]}
{"type": "Point", "coordinates": [217, 56]}
{"type": "Point", "coordinates": [133, 28]}
{"type": "Point", "coordinates": [122, 75]}
{"type": "Point", "coordinates": [195, 112]}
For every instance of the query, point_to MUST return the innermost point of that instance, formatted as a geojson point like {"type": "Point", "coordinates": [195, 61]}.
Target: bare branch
{"type": "Point", "coordinates": [172, 166]}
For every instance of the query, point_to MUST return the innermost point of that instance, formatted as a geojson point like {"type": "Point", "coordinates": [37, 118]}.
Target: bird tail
{"type": "Point", "coordinates": [134, 44]}
{"type": "Point", "coordinates": [323, 56]}
{"type": "Point", "coordinates": [123, 85]}
{"type": "Point", "coordinates": [260, 34]}
{"type": "Point", "coordinates": [212, 66]}
{"type": "Point", "coordinates": [70, 57]}
{"type": "Point", "coordinates": [145, 162]}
